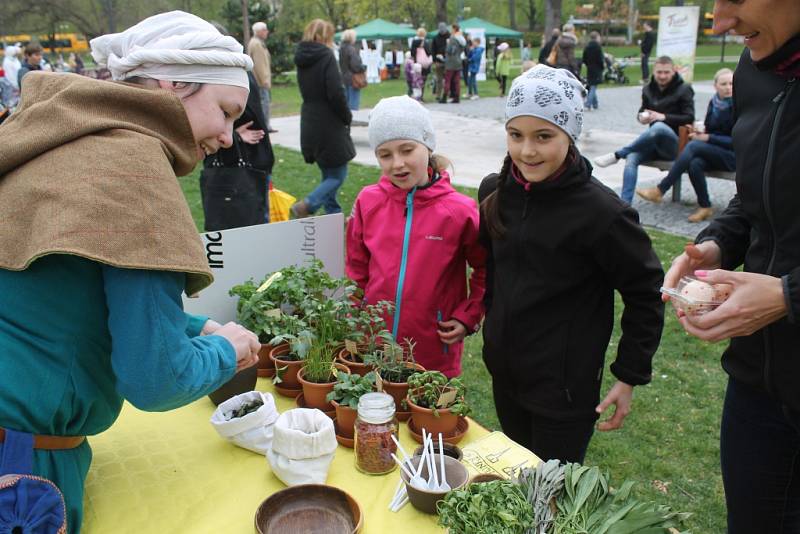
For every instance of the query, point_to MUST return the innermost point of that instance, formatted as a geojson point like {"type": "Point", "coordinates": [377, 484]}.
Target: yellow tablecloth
{"type": "Point", "coordinates": [170, 473]}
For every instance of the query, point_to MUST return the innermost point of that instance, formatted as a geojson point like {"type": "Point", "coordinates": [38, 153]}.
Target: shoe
{"type": "Point", "coordinates": [442, 101]}
{"type": "Point", "coordinates": [474, 97]}
{"type": "Point", "coordinates": [653, 194]}
{"type": "Point", "coordinates": [605, 160]}
{"type": "Point", "coordinates": [299, 209]}
{"type": "Point", "coordinates": [701, 215]}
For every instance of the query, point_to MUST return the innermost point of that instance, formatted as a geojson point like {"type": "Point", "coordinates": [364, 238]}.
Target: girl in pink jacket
{"type": "Point", "coordinates": [411, 237]}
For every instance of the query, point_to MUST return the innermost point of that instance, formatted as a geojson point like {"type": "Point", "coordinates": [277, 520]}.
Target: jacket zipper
{"type": "Point", "coordinates": [401, 277]}
{"type": "Point", "coordinates": [780, 99]}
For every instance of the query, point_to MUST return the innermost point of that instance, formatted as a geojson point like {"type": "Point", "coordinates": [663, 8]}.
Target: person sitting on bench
{"type": "Point", "coordinates": [710, 148]}
{"type": "Point", "coordinates": [667, 104]}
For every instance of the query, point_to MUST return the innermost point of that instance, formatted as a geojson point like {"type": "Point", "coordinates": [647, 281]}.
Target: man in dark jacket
{"type": "Point", "coordinates": [667, 104]}
{"type": "Point", "coordinates": [594, 61]}
{"type": "Point", "coordinates": [439, 49]}
{"type": "Point", "coordinates": [646, 47]}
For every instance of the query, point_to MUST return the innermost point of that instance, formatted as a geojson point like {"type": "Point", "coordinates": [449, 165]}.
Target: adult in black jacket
{"type": "Point", "coordinates": [595, 63]}
{"type": "Point", "coordinates": [646, 47]}
{"type": "Point", "coordinates": [560, 243]}
{"type": "Point", "coordinates": [251, 141]}
{"type": "Point", "coordinates": [759, 230]}
{"type": "Point", "coordinates": [667, 104]}
{"type": "Point", "coordinates": [709, 148]}
{"type": "Point", "coordinates": [439, 49]}
{"type": "Point", "coordinates": [324, 117]}
{"type": "Point", "coordinates": [547, 47]}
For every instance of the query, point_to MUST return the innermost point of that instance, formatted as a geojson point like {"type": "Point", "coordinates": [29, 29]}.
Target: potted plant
{"type": "Point", "coordinates": [395, 365]}
{"type": "Point", "coordinates": [368, 336]}
{"type": "Point", "coordinates": [436, 402]}
{"type": "Point", "coordinates": [344, 398]}
{"type": "Point", "coordinates": [289, 357]}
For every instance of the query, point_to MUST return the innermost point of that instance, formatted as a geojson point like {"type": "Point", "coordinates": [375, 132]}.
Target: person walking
{"type": "Point", "coordinates": [595, 63]}
{"type": "Point", "coordinates": [475, 58]}
{"type": "Point", "coordinates": [349, 64]}
{"type": "Point", "coordinates": [91, 312]}
{"type": "Point", "coordinates": [262, 68]}
{"type": "Point", "coordinates": [758, 232]}
{"type": "Point", "coordinates": [439, 49]}
{"type": "Point", "coordinates": [324, 118]}
{"type": "Point", "coordinates": [502, 66]}
{"type": "Point", "coordinates": [565, 49]}
{"type": "Point", "coordinates": [547, 46]}
{"type": "Point", "coordinates": [452, 75]}
{"type": "Point", "coordinates": [646, 47]}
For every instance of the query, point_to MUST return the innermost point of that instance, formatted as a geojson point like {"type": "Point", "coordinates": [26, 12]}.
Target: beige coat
{"type": "Point", "coordinates": [89, 167]}
{"type": "Point", "coordinates": [262, 69]}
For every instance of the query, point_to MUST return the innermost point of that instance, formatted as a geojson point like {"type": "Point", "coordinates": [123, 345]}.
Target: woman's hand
{"type": "Point", "coordinates": [621, 396]}
{"type": "Point", "coordinates": [244, 342]}
{"type": "Point", "coordinates": [451, 331]}
{"type": "Point", "coordinates": [251, 137]}
{"type": "Point", "coordinates": [706, 255]}
{"type": "Point", "coordinates": [756, 301]}
{"type": "Point", "coordinates": [695, 136]}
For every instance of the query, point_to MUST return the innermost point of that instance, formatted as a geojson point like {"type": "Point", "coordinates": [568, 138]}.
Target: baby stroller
{"type": "Point", "coordinates": [615, 69]}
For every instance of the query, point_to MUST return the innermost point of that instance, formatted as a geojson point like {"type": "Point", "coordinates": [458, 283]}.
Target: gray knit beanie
{"type": "Point", "coordinates": [400, 117]}
{"type": "Point", "coordinates": [554, 95]}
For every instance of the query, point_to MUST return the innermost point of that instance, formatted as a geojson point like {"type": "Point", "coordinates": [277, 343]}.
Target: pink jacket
{"type": "Point", "coordinates": [443, 240]}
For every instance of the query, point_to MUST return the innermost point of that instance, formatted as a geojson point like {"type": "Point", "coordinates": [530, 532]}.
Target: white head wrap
{"type": "Point", "coordinates": [173, 46]}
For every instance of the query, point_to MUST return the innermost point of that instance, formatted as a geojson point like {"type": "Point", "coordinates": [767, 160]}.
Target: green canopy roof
{"type": "Point", "coordinates": [492, 30]}
{"type": "Point", "coordinates": [381, 29]}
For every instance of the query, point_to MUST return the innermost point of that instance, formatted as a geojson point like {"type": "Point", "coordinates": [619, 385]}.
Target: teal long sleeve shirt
{"type": "Point", "coordinates": [77, 337]}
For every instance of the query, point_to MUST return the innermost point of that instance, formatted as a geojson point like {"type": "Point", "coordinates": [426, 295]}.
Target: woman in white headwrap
{"type": "Point", "coordinates": [98, 243]}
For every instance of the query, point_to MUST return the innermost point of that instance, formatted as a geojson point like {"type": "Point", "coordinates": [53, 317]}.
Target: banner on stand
{"type": "Point", "coordinates": [239, 254]}
{"type": "Point", "coordinates": [677, 37]}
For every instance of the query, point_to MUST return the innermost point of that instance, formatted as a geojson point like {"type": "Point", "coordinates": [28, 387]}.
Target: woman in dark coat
{"type": "Point", "coordinates": [760, 231]}
{"type": "Point", "coordinates": [350, 63]}
{"type": "Point", "coordinates": [593, 59]}
{"type": "Point", "coordinates": [324, 118]}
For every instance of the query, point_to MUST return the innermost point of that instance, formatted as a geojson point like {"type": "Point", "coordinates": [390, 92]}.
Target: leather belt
{"type": "Point", "coordinates": [51, 442]}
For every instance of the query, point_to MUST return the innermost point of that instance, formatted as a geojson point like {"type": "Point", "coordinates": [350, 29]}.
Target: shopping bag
{"type": "Point", "coordinates": [279, 204]}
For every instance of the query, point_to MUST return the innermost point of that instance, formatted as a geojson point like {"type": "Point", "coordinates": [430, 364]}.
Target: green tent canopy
{"type": "Point", "coordinates": [381, 29]}
{"type": "Point", "coordinates": [492, 30]}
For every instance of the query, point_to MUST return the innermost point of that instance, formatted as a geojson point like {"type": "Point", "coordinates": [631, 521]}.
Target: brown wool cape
{"type": "Point", "coordinates": [89, 168]}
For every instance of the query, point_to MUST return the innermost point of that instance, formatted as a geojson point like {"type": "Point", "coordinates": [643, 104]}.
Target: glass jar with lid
{"type": "Point", "coordinates": [374, 427]}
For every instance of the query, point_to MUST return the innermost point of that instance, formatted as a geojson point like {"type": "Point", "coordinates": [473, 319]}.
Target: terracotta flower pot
{"type": "Point", "coordinates": [399, 390]}
{"type": "Point", "coordinates": [266, 367]}
{"type": "Point", "coordinates": [356, 367]}
{"type": "Point", "coordinates": [423, 418]}
{"type": "Point", "coordinates": [345, 419]}
{"type": "Point", "coordinates": [289, 376]}
{"type": "Point", "coordinates": [242, 382]}
{"type": "Point", "coordinates": [315, 393]}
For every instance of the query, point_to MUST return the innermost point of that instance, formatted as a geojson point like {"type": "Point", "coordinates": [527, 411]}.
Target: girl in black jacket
{"type": "Point", "coordinates": [710, 149]}
{"type": "Point", "coordinates": [759, 231]}
{"type": "Point", "coordinates": [559, 244]}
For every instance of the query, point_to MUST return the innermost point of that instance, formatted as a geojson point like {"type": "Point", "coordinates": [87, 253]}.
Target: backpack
{"type": "Point", "coordinates": [422, 57]}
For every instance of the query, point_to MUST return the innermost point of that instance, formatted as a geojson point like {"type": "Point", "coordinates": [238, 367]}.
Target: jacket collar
{"type": "Point", "coordinates": [575, 171]}
{"type": "Point", "coordinates": [423, 194]}
{"type": "Point", "coordinates": [785, 61]}
{"type": "Point", "coordinates": [671, 87]}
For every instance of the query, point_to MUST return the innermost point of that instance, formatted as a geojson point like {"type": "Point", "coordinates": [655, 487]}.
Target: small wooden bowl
{"type": "Point", "coordinates": [484, 477]}
{"type": "Point", "coordinates": [309, 508]}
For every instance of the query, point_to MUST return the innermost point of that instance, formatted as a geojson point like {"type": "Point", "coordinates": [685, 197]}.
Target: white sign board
{"type": "Point", "coordinates": [677, 37]}
{"type": "Point", "coordinates": [239, 254]}
{"type": "Point", "coordinates": [479, 33]}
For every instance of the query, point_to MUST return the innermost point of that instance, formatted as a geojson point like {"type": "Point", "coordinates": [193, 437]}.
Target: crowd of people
{"type": "Point", "coordinates": [548, 244]}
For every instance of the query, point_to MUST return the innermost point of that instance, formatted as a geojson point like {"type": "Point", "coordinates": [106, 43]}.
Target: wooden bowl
{"type": "Point", "coordinates": [480, 478]}
{"type": "Point", "coordinates": [309, 508]}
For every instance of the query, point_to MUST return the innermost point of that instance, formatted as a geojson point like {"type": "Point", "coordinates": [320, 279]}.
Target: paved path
{"type": "Point", "coordinates": [471, 134]}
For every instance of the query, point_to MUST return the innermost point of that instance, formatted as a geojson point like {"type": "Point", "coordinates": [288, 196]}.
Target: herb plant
{"type": "Point", "coordinates": [245, 408]}
{"type": "Point", "coordinates": [350, 387]}
{"type": "Point", "coordinates": [498, 507]}
{"type": "Point", "coordinates": [391, 361]}
{"type": "Point", "coordinates": [541, 485]}
{"type": "Point", "coordinates": [426, 389]}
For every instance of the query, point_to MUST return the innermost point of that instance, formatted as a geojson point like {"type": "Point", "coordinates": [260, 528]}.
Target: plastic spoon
{"type": "Point", "coordinates": [443, 485]}
{"type": "Point", "coordinates": [433, 480]}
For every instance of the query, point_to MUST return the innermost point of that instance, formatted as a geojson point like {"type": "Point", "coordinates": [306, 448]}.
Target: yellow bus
{"type": "Point", "coordinates": [62, 42]}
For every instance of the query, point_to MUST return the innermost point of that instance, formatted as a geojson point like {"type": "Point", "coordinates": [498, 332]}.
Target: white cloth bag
{"type": "Point", "coordinates": [252, 431]}
{"type": "Point", "coordinates": [303, 447]}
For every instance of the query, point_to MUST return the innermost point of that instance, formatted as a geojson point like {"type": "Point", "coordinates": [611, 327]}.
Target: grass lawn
{"type": "Point", "coordinates": [670, 442]}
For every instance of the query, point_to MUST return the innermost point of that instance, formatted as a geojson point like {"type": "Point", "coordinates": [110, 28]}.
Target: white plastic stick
{"type": "Point", "coordinates": [403, 467]}
{"type": "Point", "coordinates": [400, 505]}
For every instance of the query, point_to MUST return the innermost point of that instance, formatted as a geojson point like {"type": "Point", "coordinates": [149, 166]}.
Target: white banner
{"type": "Point", "coordinates": [239, 254]}
{"type": "Point", "coordinates": [677, 37]}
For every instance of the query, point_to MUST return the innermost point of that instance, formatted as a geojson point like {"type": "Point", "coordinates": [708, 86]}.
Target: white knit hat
{"type": "Point", "coordinates": [173, 46]}
{"type": "Point", "coordinates": [554, 95]}
{"type": "Point", "coordinates": [400, 117]}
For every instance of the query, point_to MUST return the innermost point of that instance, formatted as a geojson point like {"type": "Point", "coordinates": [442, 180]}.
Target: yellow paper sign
{"type": "Point", "coordinates": [351, 346]}
{"type": "Point", "coordinates": [497, 454]}
{"type": "Point", "coordinates": [268, 281]}
{"type": "Point", "coordinates": [378, 382]}
{"type": "Point", "coordinates": [275, 312]}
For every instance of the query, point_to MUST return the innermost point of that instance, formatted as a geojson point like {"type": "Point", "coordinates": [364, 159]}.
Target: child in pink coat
{"type": "Point", "coordinates": [411, 237]}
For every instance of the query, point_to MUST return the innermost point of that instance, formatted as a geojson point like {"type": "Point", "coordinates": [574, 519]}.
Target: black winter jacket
{"type": "Point", "coordinates": [648, 41]}
{"type": "Point", "coordinates": [349, 63]}
{"type": "Point", "coordinates": [324, 117]}
{"type": "Point", "coordinates": [439, 47]}
{"type": "Point", "coordinates": [760, 228]}
{"type": "Point", "coordinates": [676, 101]}
{"type": "Point", "coordinates": [719, 125]}
{"type": "Point", "coordinates": [568, 244]}
{"type": "Point", "coordinates": [595, 63]}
